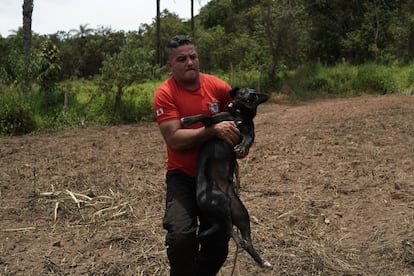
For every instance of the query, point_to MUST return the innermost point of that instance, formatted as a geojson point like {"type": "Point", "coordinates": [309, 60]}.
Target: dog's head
{"type": "Point", "coordinates": [246, 100]}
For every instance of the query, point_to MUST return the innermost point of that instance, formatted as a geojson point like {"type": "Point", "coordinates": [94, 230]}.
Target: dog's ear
{"type": "Point", "coordinates": [233, 92]}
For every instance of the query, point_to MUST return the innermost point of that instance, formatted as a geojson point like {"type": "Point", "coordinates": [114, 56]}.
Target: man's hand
{"type": "Point", "coordinates": [227, 131]}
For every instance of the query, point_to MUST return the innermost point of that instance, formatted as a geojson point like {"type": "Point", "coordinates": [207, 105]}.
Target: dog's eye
{"type": "Point", "coordinates": [251, 99]}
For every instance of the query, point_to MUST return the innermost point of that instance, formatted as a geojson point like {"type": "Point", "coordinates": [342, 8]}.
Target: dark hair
{"type": "Point", "coordinates": [176, 41]}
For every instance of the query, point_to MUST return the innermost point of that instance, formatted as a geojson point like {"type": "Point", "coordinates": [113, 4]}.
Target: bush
{"type": "Point", "coordinates": [314, 80]}
{"type": "Point", "coordinates": [406, 79]}
{"type": "Point", "coordinates": [16, 116]}
{"type": "Point", "coordinates": [309, 81]}
{"type": "Point", "coordinates": [319, 83]}
{"type": "Point", "coordinates": [373, 78]}
{"type": "Point", "coordinates": [137, 104]}
{"type": "Point", "coordinates": [342, 77]}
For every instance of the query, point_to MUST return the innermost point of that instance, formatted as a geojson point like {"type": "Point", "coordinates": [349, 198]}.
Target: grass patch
{"type": "Point", "coordinates": [314, 80]}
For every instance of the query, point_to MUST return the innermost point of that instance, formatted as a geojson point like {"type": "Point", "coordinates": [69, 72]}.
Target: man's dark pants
{"type": "Point", "coordinates": [187, 255]}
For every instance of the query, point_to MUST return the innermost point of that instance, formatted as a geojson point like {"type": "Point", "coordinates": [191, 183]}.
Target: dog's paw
{"type": "Point", "coordinates": [241, 151]}
{"type": "Point", "coordinates": [266, 264]}
{"type": "Point", "coordinates": [185, 121]}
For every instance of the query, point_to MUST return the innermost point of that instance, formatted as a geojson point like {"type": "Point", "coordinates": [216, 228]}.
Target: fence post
{"type": "Point", "coordinates": [65, 101]}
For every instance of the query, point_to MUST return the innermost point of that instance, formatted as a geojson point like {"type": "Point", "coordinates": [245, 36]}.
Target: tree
{"type": "Point", "coordinates": [27, 41]}
{"type": "Point", "coordinates": [360, 30]}
{"type": "Point", "coordinates": [48, 68]}
{"type": "Point", "coordinates": [170, 25]}
{"type": "Point", "coordinates": [131, 64]}
{"type": "Point", "coordinates": [217, 13]}
{"type": "Point", "coordinates": [285, 28]}
{"type": "Point", "coordinates": [83, 31]}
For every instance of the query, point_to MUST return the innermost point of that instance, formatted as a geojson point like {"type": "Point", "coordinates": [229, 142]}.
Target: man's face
{"type": "Point", "coordinates": [184, 64]}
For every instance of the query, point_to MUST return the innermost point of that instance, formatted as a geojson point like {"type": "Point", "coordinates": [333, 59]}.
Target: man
{"type": "Point", "coordinates": [188, 92]}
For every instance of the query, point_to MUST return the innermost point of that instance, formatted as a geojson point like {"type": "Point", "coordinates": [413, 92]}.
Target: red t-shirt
{"type": "Point", "coordinates": [172, 101]}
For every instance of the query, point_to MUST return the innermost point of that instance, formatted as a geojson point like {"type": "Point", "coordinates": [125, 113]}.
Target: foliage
{"type": "Point", "coordinates": [341, 78]}
{"type": "Point", "coordinates": [84, 106]}
{"type": "Point", "coordinates": [48, 67]}
{"type": "Point", "coordinates": [317, 47]}
{"type": "Point", "coordinates": [131, 64]}
{"type": "Point", "coordinates": [217, 13]}
{"type": "Point", "coordinates": [361, 31]}
{"type": "Point", "coordinates": [171, 25]}
{"type": "Point", "coordinates": [406, 79]}
{"type": "Point", "coordinates": [16, 115]}
{"type": "Point", "coordinates": [246, 78]}
{"type": "Point", "coordinates": [271, 33]}
{"type": "Point", "coordinates": [137, 105]}
{"type": "Point", "coordinates": [376, 78]}
{"type": "Point", "coordinates": [315, 80]}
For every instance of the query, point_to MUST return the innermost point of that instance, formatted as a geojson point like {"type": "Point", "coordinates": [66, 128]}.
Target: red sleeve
{"type": "Point", "coordinates": [164, 105]}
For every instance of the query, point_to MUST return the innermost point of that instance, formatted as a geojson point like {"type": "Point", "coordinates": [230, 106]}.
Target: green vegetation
{"type": "Point", "coordinates": [85, 104]}
{"type": "Point", "coordinates": [75, 103]}
{"type": "Point", "coordinates": [317, 48]}
{"type": "Point", "coordinates": [16, 115]}
{"type": "Point", "coordinates": [314, 80]}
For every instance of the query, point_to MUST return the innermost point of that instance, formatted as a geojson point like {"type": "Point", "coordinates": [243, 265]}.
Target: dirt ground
{"type": "Point", "coordinates": [329, 185]}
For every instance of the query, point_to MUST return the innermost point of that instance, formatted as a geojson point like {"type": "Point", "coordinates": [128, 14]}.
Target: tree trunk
{"type": "Point", "coordinates": [27, 42]}
{"type": "Point", "coordinates": [277, 27]}
{"type": "Point", "coordinates": [118, 99]}
{"type": "Point", "coordinates": [411, 42]}
{"type": "Point", "coordinates": [192, 20]}
{"type": "Point", "coordinates": [158, 38]}
{"type": "Point", "coordinates": [270, 33]}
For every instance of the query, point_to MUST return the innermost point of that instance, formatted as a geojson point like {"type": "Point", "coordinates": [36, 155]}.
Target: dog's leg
{"type": "Point", "coordinates": [247, 134]}
{"type": "Point", "coordinates": [206, 120]}
{"type": "Point", "coordinates": [215, 207]}
{"type": "Point", "coordinates": [240, 217]}
{"type": "Point", "coordinates": [212, 201]}
{"type": "Point", "coordinates": [187, 121]}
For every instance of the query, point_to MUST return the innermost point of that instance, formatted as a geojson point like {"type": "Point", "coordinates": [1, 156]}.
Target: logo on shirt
{"type": "Point", "coordinates": [214, 107]}
{"type": "Point", "coordinates": [159, 111]}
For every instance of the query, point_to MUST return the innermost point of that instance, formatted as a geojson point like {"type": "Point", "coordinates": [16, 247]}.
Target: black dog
{"type": "Point", "coordinates": [217, 197]}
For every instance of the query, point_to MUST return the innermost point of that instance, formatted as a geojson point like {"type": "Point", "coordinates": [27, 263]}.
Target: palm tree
{"type": "Point", "coordinates": [83, 31]}
{"type": "Point", "coordinates": [27, 42]}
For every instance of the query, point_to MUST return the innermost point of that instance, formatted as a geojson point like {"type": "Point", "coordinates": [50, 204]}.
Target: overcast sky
{"type": "Point", "coordinates": [50, 16]}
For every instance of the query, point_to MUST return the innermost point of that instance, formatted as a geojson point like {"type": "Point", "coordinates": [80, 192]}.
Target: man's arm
{"type": "Point", "coordinates": [178, 138]}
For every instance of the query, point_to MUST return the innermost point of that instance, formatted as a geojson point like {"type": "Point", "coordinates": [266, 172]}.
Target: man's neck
{"type": "Point", "coordinates": [192, 86]}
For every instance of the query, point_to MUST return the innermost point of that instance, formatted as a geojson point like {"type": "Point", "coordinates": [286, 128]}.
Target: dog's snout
{"type": "Point", "coordinates": [257, 98]}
